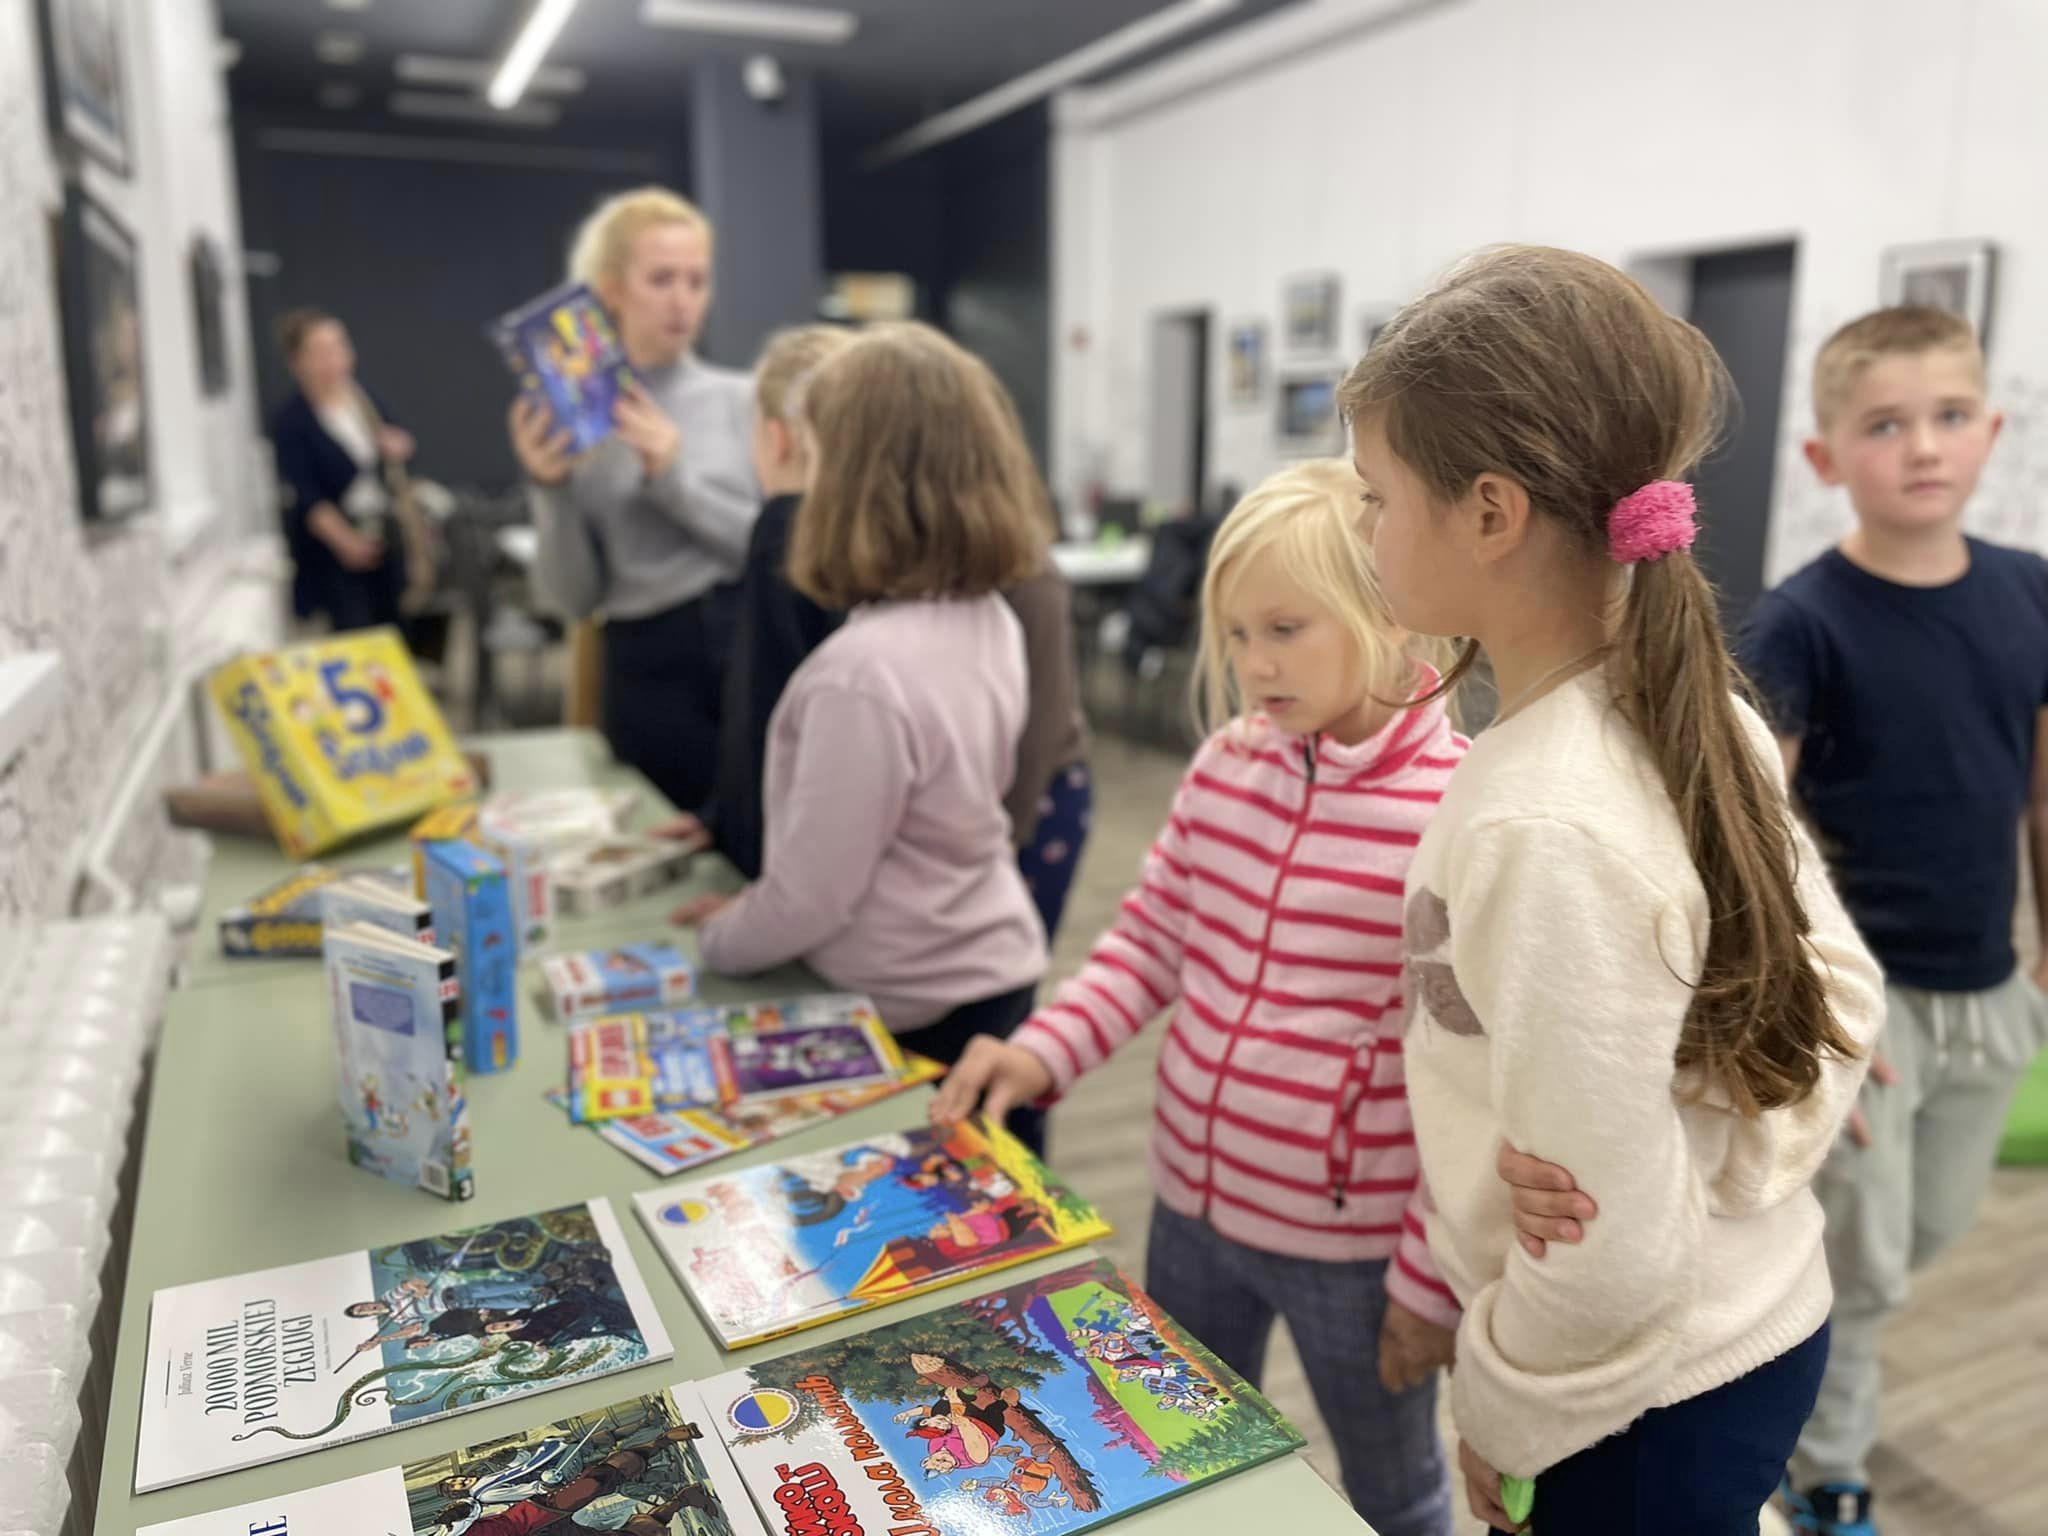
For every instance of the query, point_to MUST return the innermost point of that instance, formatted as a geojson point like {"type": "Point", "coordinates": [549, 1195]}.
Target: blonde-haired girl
{"type": "Point", "coordinates": [1624, 955]}
{"type": "Point", "coordinates": [1268, 920]}
{"type": "Point", "coordinates": [651, 525]}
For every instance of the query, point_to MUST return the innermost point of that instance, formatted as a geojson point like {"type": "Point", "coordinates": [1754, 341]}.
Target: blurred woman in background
{"type": "Point", "coordinates": [650, 527]}
{"type": "Point", "coordinates": [356, 544]}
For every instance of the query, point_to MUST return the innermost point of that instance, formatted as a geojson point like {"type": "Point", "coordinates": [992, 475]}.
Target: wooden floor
{"type": "Point", "coordinates": [1966, 1395]}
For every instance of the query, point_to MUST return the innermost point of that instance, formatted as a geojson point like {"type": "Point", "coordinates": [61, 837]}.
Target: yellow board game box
{"type": "Point", "coordinates": [340, 737]}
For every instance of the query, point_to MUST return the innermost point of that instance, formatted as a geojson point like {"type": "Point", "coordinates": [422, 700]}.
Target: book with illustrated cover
{"type": "Point", "coordinates": [675, 1141]}
{"type": "Point", "coordinates": [1056, 1404]}
{"type": "Point", "coordinates": [650, 1466]}
{"type": "Point", "coordinates": [568, 355]}
{"type": "Point", "coordinates": [284, 921]}
{"type": "Point", "coordinates": [261, 1366]}
{"type": "Point", "coordinates": [773, 1249]}
{"type": "Point", "coordinates": [636, 1063]}
{"type": "Point", "coordinates": [775, 1050]}
{"type": "Point", "coordinates": [472, 907]}
{"type": "Point", "coordinates": [395, 1006]}
{"type": "Point", "coordinates": [340, 737]}
{"type": "Point", "coordinates": [632, 978]}
{"type": "Point", "coordinates": [380, 903]}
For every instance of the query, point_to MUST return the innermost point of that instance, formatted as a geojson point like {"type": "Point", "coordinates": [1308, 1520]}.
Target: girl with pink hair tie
{"type": "Point", "coordinates": [1623, 955]}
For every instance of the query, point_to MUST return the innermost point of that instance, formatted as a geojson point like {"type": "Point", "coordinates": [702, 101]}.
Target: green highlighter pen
{"type": "Point", "coordinates": [1518, 1497]}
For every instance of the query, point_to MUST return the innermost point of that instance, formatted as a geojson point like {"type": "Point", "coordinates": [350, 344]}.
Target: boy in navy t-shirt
{"type": "Point", "coordinates": [1907, 670]}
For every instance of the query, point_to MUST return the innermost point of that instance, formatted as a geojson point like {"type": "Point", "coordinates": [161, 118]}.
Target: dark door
{"type": "Point", "coordinates": [1742, 300]}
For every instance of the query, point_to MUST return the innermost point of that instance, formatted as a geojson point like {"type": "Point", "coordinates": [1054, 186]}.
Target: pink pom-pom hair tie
{"type": "Point", "coordinates": [1650, 523]}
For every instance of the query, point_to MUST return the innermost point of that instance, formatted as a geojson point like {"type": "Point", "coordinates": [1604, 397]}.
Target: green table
{"type": "Point", "coordinates": [244, 1167]}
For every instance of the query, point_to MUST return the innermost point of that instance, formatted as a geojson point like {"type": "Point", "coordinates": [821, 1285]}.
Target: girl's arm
{"type": "Point", "coordinates": [1572, 963]}
{"type": "Point", "coordinates": [1133, 973]}
{"type": "Point", "coordinates": [1412, 1278]}
{"type": "Point", "coordinates": [847, 795]}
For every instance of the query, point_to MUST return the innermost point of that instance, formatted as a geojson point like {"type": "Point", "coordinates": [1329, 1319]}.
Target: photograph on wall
{"type": "Point", "coordinates": [1954, 275]}
{"type": "Point", "coordinates": [88, 96]}
{"type": "Point", "coordinates": [100, 273]}
{"type": "Point", "coordinates": [1247, 363]}
{"type": "Point", "coordinates": [1310, 310]}
{"type": "Point", "coordinates": [1309, 424]}
{"type": "Point", "coordinates": [209, 317]}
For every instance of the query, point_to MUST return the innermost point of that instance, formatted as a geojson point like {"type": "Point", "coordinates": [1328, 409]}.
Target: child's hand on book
{"type": "Point", "coordinates": [685, 829]}
{"type": "Point", "coordinates": [1548, 1204]}
{"type": "Point", "coordinates": [993, 1074]}
{"type": "Point", "coordinates": [1412, 1349]}
{"type": "Point", "coordinates": [541, 446]}
{"type": "Point", "coordinates": [699, 910]}
{"type": "Point", "coordinates": [645, 428]}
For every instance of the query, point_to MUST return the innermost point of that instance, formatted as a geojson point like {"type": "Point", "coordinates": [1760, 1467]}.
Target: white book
{"type": "Point", "coordinates": [656, 1457]}
{"type": "Point", "coordinates": [374, 900]}
{"type": "Point", "coordinates": [259, 1367]}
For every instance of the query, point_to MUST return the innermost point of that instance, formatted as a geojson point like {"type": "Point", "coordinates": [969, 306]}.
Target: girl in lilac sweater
{"type": "Point", "coordinates": [887, 865]}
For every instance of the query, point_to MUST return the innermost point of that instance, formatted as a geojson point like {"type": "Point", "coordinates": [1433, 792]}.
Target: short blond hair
{"type": "Point", "coordinates": [786, 363]}
{"type": "Point", "coordinates": [1311, 516]}
{"type": "Point", "coordinates": [923, 486]}
{"type": "Point", "coordinates": [604, 242]}
{"type": "Point", "coordinates": [1906, 330]}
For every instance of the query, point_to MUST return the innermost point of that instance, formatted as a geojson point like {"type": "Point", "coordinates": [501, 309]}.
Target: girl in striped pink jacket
{"type": "Point", "coordinates": [1267, 926]}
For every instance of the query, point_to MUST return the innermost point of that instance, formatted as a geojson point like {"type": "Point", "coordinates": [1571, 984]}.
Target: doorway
{"type": "Point", "coordinates": [1178, 442]}
{"type": "Point", "coordinates": [1742, 301]}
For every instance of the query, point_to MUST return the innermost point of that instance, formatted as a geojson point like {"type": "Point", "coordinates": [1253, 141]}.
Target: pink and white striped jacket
{"type": "Point", "coordinates": [1268, 920]}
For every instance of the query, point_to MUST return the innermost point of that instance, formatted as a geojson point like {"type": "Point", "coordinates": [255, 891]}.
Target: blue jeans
{"type": "Point", "coordinates": [1703, 1467]}
{"type": "Point", "coordinates": [1227, 1296]}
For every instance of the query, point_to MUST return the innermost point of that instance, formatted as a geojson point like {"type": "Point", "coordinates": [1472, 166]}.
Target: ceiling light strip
{"type": "Point", "coordinates": [544, 24]}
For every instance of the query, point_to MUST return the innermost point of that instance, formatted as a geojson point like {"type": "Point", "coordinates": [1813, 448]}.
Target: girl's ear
{"type": "Point", "coordinates": [1497, 516]}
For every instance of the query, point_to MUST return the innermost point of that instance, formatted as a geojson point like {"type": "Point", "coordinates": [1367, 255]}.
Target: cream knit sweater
{"type": "Point", "coordinates": [1554, 923]}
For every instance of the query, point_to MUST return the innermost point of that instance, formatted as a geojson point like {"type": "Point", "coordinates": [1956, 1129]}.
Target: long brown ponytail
{"type": "Point", "coordinates": [1560, 372]}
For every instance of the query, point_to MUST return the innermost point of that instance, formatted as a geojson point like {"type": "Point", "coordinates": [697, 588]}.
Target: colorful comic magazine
{"type": "Point", "coordinates": [803, 1045]}
{"type": "Point", "coordinates": [670, 1142]}
{"type": "Point", "coordinates": [567, 354]}
{"type": "Point", "coordinates": [649, 1466]}
{"type": "Point", "coordinates": [1055, 1404]}
{"type": "Point", "coordinates": [638, 1063]}
{"type": "Point", "coordinates": [275, 1363]}
{"type": "Point", "coordinates": [769, 1250]}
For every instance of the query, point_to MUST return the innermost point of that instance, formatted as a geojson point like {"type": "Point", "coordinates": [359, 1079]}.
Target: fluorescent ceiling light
{"type": "Point", "coordinates": [1103, 53]}
{"type": "Point", "coordinates": [753, 18]}
{"type": "Point", "coordinates": [348, 5]}
{"type": "Point", "coordinates": [526, 114]}
{"type": "Point", "coordinates": [475, 74]}
{"type": "Point", "coordinates": [338, 47]}
{"type": "Point", "coordinates": [543, 24]}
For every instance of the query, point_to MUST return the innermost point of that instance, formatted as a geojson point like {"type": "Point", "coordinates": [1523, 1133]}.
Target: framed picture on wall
{"type": "Point", "coordinates": [1955, 275]}
{"type": "Point", "coordinates": [209, 319]}
{"type": "Point", "coordinates": [1309, 310]}
{"type": "Point", "coordinates": [1370, 323]}
{"type": "Point", "coordinates": [87, 91]}
{"type": "Point", "coordinates": [1308, 423]}
{"type": "Point", "coordinates": [1247, 363]}
{"type": "Point", "coordinates": [100, 275]}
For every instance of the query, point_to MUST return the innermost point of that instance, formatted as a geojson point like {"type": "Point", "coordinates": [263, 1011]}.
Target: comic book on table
{"type": "Point", "coordinates": [1056, 1404]}
{"type": "Point", "coordinates": [395, 1008]}
{"type": "Point", "coordinates": [632, 1063]}
{"type": "Point", "coordinates": [628, 978]}
{"type": "Point", "coordinates": [675, 1141]}
{"type": "Point", "coordinates": [261, 1366]}
{"type": "Point", "coordinates": [649, 1466]}
{"type": "Point", "coordinates": [284, 920]}
{"type": "Point", "coordinates": [769, 1250]}
{"type": "Point", "coordinates": [567, 355]}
